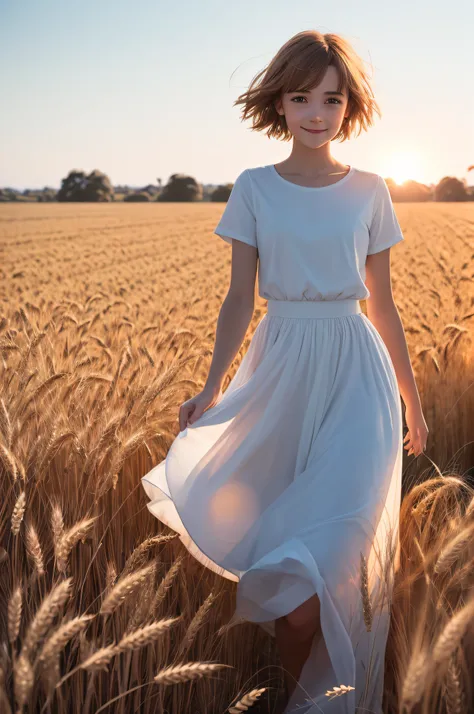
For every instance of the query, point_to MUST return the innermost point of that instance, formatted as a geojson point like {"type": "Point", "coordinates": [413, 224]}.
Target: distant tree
{"type": "Point", "coordinates": [181, 187]}
{"type": "Point", "coordinates": [139, 196]}
{"type": "Point", "coordinates": [47, 194]}
{"type": "Point", "coordinates": [221, 193]}
{"type": "Point", "coordinates": [450, 189]}
{"type": "Point", "coordinates": [151, 189]}
{"type": "Point", "coordinates": [409, 191]}
{"type": "Point", "coordinates": [5, 195]}
{"type": "Point", "coordinates": [78, 186]}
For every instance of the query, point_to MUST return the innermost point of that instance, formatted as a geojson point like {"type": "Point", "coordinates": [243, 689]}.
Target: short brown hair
{"type": "Point", "coordinates": [299, 64]}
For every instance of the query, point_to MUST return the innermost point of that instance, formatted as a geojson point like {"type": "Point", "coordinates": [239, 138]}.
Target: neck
{"type": "Point", "coordinates": [309, 162]}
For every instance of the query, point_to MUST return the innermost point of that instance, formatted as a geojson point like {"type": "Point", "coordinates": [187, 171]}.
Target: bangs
{"type": "Point", "coordinates": [307, 70]}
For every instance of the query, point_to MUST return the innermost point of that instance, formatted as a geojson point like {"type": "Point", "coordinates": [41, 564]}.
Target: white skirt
{"type": "Point", "coordinates": [293, 475]}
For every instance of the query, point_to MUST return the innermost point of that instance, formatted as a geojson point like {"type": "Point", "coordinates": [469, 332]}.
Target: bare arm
{"type": "Point", "coordinates": [235, 313]}
{"type": "Point", "coordinates": [383, 313]}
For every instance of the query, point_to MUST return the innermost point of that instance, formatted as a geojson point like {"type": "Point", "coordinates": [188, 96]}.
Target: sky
{"type": "Point", "coordinates": [144, 90]}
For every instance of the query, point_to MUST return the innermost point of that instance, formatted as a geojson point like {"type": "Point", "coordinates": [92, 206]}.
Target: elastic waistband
{"type": "Point", "coordinates": [313, 308]}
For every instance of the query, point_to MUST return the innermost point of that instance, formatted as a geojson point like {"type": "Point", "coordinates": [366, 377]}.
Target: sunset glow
{"type": "Point", "coordinates": [405, 167]}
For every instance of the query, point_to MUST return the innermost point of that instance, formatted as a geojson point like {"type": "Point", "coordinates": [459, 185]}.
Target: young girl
{"type": "Point", "coordinates": [289, 482]}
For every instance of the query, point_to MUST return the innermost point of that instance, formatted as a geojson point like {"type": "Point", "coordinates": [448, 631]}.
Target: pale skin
{"type": "Point", "coordinates": [309, 164]}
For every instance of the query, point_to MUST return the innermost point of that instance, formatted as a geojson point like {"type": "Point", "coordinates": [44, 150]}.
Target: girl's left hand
{"type": "Point", "coordinates": [417, 433]}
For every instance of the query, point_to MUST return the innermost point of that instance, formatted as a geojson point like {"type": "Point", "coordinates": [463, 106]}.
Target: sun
{"type": "Point", "coordinates": [404, 167]}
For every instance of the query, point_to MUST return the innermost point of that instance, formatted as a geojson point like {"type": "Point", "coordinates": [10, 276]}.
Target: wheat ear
{"type": "Point", "coordinates": [184, 672]}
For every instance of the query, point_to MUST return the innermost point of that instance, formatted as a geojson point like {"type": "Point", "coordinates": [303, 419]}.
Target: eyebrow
{"type": "Point", "coordinates": [306, 91]}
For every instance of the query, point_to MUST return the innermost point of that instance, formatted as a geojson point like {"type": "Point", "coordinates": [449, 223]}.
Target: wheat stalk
{"type": "Point", "coordinates": [110, 576]}
{"type": "Point", "coordinates": [143, 610]}
{"type": "Point", "coordinates": [338, 691]}
{"type": "Point", "coordinates": [45, 615]}
{"type": "Point", "coordinates": [451, 552]}
{"type": "Point", "coordinates": [124, 588]}
{"type": "Point", "coordinates": [5, 422]}
{"type": "Point", "coordinates": [5, 707]}
{"type": "Point", "coordinates": [167, 582]}
{"type": "Point", "coordinates": [364, 586]}
{"type": "Point", "coordinates": [413, 685]}
{"type": "Point", "coordinates": [33, 548]}
{"type": "Point", "coordinates": [100, 659]}
{"type": "Point", "coordinates": [450, 637]}
{"type": "Point", "coordinates": [57, 526]}
{"type": "Point", "coordinates": [9, 461]}
{"type": "Point", "coordinates": [454, 696]}
{"type": "Point", "coordinates": [186, 671]}
{"type": "Point", "coordinates": [137, 557]}
{"type": "Point", "coordinates": [195, 624]}
{"type": "Point", "coordinates": [18, 513]}
{"type": "Point", "coordinates": [58, 640]}
{"type": "Point", "coordinates": [247, 701]}
{"type": "Point", "coordinates": [14, 614]}
{"type": "Point", "coordinates": [69, 539]}
{"type": "Point", "coordinates": [145, 635]}
{"type": "Point", "coordinates": [23, 680]}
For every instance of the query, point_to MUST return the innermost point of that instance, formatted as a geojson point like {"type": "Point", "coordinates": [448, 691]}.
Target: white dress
{"type": "Point", "coordinates": [296, 471]}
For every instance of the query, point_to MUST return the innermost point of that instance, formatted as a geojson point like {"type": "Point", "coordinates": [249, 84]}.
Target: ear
{"type": "Point", "coordinates": [278, 106]}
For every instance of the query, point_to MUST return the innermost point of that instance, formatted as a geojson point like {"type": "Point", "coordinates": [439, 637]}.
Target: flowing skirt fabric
{"type": "Point", "coordinates": [290, 485]}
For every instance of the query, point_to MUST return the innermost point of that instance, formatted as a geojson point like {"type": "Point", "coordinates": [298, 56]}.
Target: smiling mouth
{"type": "Point", "coordinates": [314, 131]}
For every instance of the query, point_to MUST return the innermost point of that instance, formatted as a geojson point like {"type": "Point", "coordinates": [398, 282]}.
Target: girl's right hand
{"type": "Point", "coordinates": [191, 410]}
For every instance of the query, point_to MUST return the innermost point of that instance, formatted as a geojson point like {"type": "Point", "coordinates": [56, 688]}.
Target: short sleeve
{"type": "Point", "coordinates": [238, 220]}
{"type": "Point", "coordinates": [384, 229]}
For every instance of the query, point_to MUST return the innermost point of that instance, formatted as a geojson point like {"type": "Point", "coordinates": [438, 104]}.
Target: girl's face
{"type": "Point", "coordinates": [319, 108]}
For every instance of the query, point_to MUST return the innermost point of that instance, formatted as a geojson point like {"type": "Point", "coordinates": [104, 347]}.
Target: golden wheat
{"type": "Point", "coordinates": [24, 679]}
{"type": "Point", "coordinates": [145, 635]}
{"type": "Point", "coordinates": [137, 557]}
{"type": "Point", "coordinates": [18, 513]}
{"type": "Point", "coordinates": [167, 582]}
{"type": "Point", "coordinates": [366, 603]}
{"type": "Point", "coordinates": [453, 688]}
{"type": "Point", "coordinates": [247, 701]}
{"type": "Point", "coordinates": [197, 622]}
{"type": "Point", "coordinates": [106, 331]}
{"type": "Point", "coordinates": [44, 616]}
{"type": "Point", "coordinates": [126, 587]}
{"type": "Point", "coordinates": [69, 539]}
{"type": "Point", "coordinates": [185, 672]}
{"type": "Point", "coordinates": [57, 641]}
{"type": "Point", "coordinates": [14, 614]}
{"type": "Point", "coordinates": [451, 552]}
{"type": "Point", "coordinates": [33, 548]}
{"type": "Point", "coordinates": [415, 679]}
{"type": "Point", "coordinates": [450, 637]}
{"type": "Point", "coordinates": [338, 691]}
{"type": "Point", "coordinates": [99, 660]}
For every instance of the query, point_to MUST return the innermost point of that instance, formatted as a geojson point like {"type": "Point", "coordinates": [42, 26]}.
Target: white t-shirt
{"type": "Point", "coordinates": [312, 242]}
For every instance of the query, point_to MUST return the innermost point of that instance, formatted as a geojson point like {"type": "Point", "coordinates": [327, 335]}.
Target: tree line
{"type": "Point", "coordinates": [96, 187]}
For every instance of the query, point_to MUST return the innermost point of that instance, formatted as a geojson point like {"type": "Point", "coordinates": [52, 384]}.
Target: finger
{"type": "Point", "coordinates": [184, 415]}
{"type": "Point", "coordinates": [195, 416]}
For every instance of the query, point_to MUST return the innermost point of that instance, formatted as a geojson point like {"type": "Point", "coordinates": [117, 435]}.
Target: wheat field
{"type": "Point", "coordinates": [107, 324]}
